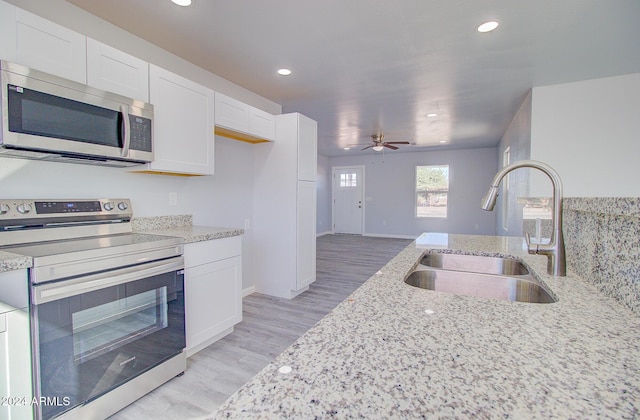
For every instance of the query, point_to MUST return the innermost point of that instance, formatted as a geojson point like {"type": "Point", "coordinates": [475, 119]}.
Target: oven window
{"type": "Point", "coordinates": [106, 327]}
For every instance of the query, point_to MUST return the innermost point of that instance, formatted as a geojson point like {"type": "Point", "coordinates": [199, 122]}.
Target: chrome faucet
{"type": "Point", "coordinates": [554, 250]}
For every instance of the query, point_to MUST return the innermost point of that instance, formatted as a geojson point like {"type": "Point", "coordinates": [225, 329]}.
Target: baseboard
{"type": "Point", "coordinates": [248, 291]}
{"type": "Point", "coordinates": [328, 232]}
{"type": "Point", "coordinates": [384, 235]}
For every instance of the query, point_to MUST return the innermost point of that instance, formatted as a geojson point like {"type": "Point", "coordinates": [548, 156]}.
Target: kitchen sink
{"type": "Point", "coordinates": [492, 286]}
{"type": "Point", "coordinates": [475, 264]}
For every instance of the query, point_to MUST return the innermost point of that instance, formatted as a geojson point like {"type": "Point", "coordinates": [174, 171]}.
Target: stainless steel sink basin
{"type": "Point", "coordinates": [519, 289]}
{"type": "Point", "coordinates": [475, 264]}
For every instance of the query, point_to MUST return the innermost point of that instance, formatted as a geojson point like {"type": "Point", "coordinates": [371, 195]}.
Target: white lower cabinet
{"type": "Point", "coordinates": [15, 347]}
{"type": "Point", "coordinates": [213, 290]}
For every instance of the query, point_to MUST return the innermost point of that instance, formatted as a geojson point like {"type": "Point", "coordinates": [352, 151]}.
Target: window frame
{"type": "Point", "coordinates": [415, 192]}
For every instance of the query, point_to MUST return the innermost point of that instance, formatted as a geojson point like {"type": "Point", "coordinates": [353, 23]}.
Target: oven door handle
{"type": "Point", "coordinates": [49, 292]}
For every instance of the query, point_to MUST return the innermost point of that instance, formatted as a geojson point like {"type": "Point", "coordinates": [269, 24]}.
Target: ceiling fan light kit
{"type": "Point", "coordinates": [379, 144]}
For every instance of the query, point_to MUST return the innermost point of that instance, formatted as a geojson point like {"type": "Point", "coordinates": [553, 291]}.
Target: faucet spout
{"type": "Point", "coordinates": [554, 250]}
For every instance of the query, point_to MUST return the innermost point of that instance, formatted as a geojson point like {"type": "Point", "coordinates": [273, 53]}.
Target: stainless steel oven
{"type": "Point", "coordinates": [107, 309]}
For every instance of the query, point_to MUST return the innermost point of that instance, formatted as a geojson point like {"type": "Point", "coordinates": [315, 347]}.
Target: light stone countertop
{"type": "Point", "coordinates": [394, 351]}
{"type": "Point", "coordinates": [196, 233]}
{"type": "Point", "coordinates": [9, 261]}
{"type": "Point", "coordinates": [163, 225]}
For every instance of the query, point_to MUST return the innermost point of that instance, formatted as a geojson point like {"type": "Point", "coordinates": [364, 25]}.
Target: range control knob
{"type": "Point", "coordinates": [122, 205]}
{"type": "Point", "coordinates": [4, 209]}
{"type": "Point", "coordinates": [24, 208]}
{"type": "Point", "coordinates": [108, 206]}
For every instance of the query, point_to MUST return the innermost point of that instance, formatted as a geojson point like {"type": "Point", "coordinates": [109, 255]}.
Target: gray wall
{"type": "Point", "coordinates": [390, 191]}
{"type": "Point", "coordinates": [518, 139]}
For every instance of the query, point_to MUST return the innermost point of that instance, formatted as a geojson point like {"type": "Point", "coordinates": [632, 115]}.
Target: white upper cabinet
{"type": "Point", "coordinates": [243, 122]}
{"type": "Point", "coordinates": [231, 113]}
{"type": "Point", "coordinates": [7, 32]}
{"type": "Point", "coordinates": [262, 124]}
{"type": "Point", "coordinates": [183, 124]}
{"type": "Point", "coordinates": [115, 71]}
{"type": "Point", "coordinates": [49, 47]}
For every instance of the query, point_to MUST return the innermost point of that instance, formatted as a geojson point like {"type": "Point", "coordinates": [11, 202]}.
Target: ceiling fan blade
{"type": "Point", "coordinates": [390, 147]}
{"type": "Point", "coordinates": [397, 142]}
{"type": "Point", "coordinates": [367, 147]}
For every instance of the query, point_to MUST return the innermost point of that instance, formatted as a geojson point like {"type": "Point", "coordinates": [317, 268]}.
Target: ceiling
{"type": "Point", "coordinates": [366, 66]}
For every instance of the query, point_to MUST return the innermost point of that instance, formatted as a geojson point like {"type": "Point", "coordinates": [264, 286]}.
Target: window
{"type": "Point", "coordinates": [432, 190]}
{"type": "Point", "coordinates": [348, 180]}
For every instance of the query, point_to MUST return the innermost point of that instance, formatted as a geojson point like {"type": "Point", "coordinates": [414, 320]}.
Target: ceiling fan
{"type": "Point", "coordinates": [379, 143]}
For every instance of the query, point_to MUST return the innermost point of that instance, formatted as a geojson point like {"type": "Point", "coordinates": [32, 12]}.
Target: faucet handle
{"type": "Point", "coordinates": [531, 250]}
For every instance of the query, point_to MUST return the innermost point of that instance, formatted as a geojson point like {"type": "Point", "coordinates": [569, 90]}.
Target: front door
{"type": "Point", "coordinates": [348, 200]}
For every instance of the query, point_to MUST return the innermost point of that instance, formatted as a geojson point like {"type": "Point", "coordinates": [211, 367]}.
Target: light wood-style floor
{"type": "Point", "coordinates": [269, 326]}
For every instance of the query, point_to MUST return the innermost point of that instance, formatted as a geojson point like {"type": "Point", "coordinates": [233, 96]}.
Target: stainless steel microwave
{"type": "Point", "coordinates": [45, 117]}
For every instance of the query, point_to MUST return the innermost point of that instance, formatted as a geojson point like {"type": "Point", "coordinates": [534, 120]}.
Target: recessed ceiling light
{"type": "Point", "coordinates": [433, 114]}
{"type": "Point", "coordinates": [488, 26]}
{"type": "Point", "coordinates": [284, 72]}
{"type": "Point", "coordinates": [347, 148]}
{"type": "Point", "coordinates": [443, 141]}
{"type": "Point", "coordinates": [182, 3]}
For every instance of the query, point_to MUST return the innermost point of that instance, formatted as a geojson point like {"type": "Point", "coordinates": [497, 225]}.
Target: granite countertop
{"type": "Point", "coordinates": [178, 226]}
{"type": "Point", "coordinates": [196, 233]}
{"type": "Point", "coordinates": [394, 351]}
{"type": "Point", "coordinates": [9, 261]}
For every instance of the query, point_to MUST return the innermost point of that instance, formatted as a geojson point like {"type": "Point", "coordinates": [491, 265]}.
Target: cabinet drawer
{"type": "Point", "coordinates": [198, 253]}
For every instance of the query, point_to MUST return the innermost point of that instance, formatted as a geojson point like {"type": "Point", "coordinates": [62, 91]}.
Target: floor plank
{"type": "Point", "coordinates": [269, 326]}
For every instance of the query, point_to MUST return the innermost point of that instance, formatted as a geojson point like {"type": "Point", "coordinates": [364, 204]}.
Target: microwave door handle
{"type": "Point", "coordinates": [126, 130]}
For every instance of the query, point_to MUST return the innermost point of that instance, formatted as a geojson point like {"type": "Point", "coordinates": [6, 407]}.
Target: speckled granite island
{"type": "Point", "coordinates": [394, 351]}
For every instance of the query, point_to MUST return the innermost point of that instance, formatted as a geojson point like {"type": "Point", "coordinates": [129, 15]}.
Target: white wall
{"type": "Point", "coordinates": [224, 199]}
{"type": "Point", "coordinates": [589, 131]}
{"type": "Point", "coordinates": [390, 191]}
{"type": "Point", "coordinates": [323, 212]}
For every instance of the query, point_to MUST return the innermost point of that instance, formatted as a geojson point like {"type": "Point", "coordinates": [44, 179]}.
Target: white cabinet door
{"type": "Point", "coordinates": [183, 124]}
{"type": "Point", "coordinates": [15, 363]}
{"type": "Point", "coordinates": [49, 47]}
{"type": "Point", "coordinates": [306, 234]}
{"type": "Point", "coordinates": [231, 113]}
{"type": "Point", "coordinates": [115, 71]}
{"type": "Point", "coordinates": [307, 149]}
{"type": "Point", "coordinates": [7, 32]}
{"type": "Point", "coordinates": [262, 124]}
{"type": "Point", "coordinates": [213, 301]}
{"type": "Point", "coordinates": [237, 120]}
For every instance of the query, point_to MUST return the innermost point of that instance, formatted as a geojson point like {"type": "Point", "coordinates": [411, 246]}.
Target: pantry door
{"type": "Point", "coordinates": [348, 200]}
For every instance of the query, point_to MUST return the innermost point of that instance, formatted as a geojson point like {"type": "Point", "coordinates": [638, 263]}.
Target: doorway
{"type": "Point", "coordinates": [348, 199]}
